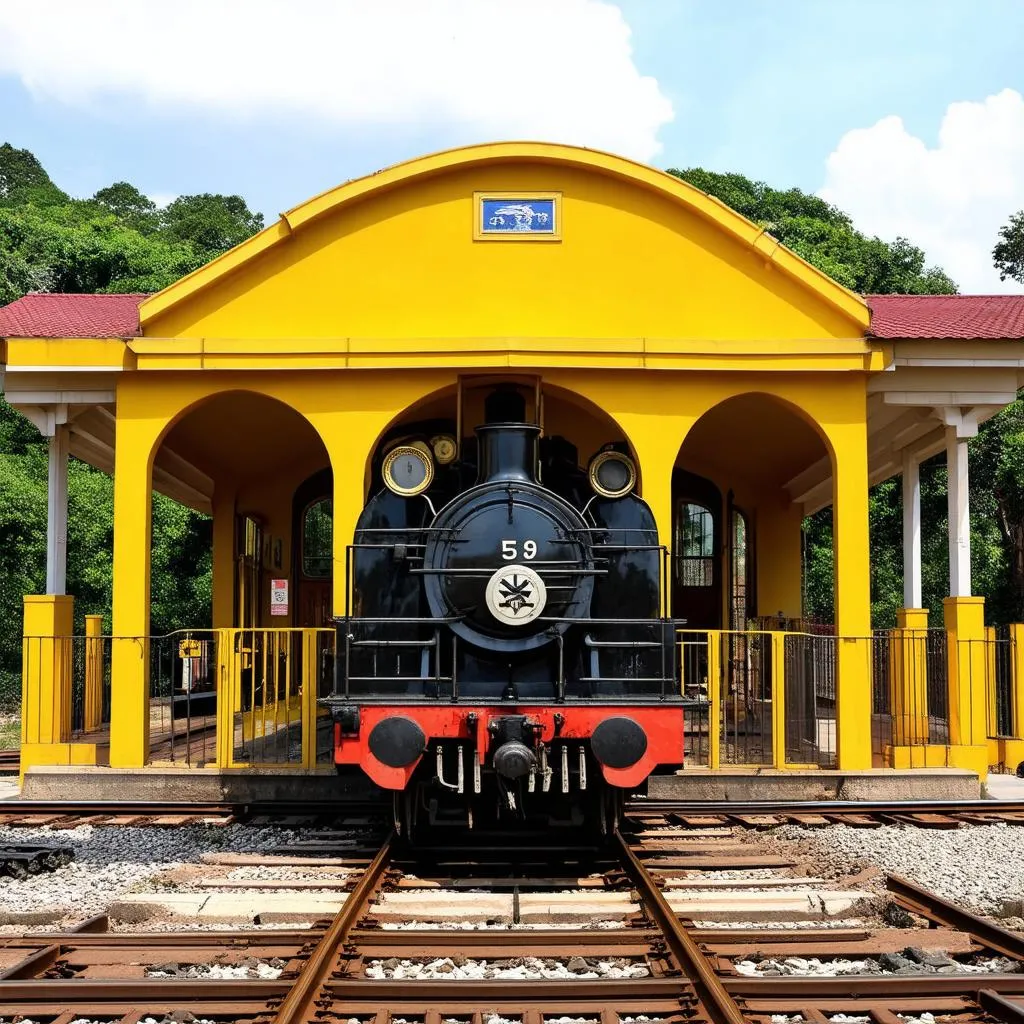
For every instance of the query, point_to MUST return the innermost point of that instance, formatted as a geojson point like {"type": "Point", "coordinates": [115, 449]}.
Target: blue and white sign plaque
{"type": "Point", "coordinates": [517, 216]}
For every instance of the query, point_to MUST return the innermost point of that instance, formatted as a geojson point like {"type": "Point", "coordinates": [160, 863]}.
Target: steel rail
{"type": "Point", "coordinates": [721, 1007]}
{"type": "Point", "coordinates": [1002, 1009]}
{"type": "Point", "coordinates": [296, 1006]}
{"type": "Point", "coordinates": [730, 807]}
{"type": "Point", "coordinates": [932, 906]}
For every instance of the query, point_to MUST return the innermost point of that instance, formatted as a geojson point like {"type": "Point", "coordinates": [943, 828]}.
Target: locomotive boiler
{"type": "Point", "coordinates": [504, 657]}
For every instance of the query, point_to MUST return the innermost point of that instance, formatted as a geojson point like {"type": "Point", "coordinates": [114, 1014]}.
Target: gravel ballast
{"type": "Point", "coordinates": [525, 968]}
{"type": "Point", "coordinates": [979, 866]}
{"type": "Point", "coordinates": [111, 862]}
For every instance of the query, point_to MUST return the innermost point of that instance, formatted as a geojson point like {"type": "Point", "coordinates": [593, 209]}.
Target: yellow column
{"type": "Point", "coordinates": [129, 693]}
{"type": "Point", "coordinates": [968, 696]}
{"type": "Point", "coordinates": [656, 455]}
{"type": "Point", "coordinates": [93, 672]}
{"type": "Point", "coordinates": [46, 675]}
{"type": "Point", "coordinates": [853, 596]}
{"type": "Point", "coordinates": [224, 557]}
{"type": "Point", "coordinates": [909, 681]}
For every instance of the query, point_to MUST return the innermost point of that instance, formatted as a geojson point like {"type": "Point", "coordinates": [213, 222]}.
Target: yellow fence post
{"type": "Point", "coordinates": [93, 672]}
{"type": "Point", "coordinates": [779, 700]}
{"type": "Point", "coordinates": [46, 677]}
{"type": "Point", "coordinates": [225, 698]}
{"type": "Point", "coordinates": [968, 692]}
{"type": "Point", "coordinates": [308, 638]}
{"type": "Point", "coordinates": [909, 681]}
{"type": "Point", "coordinates": [714, 698]}
{"type": "Point", "coordinates": [1017, 654]}
{"type": "Point", "coordinates": [992, 719]}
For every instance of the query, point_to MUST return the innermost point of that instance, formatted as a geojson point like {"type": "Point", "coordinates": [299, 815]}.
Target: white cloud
{"type": "Point", "coordinates": [950, 200]}
{"type": "Point", "coordinates": [543, 69]}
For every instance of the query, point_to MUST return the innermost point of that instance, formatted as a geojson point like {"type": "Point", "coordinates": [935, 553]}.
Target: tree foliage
{"type": "Point", "coordinates": [825, 236]}
{"type": "Point", "coordinates": [116, 241]}
{"type": "Point", "coordinates": [1008, 255]}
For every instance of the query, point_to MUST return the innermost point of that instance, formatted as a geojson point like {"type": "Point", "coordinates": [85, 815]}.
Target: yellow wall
{"type": "Point", "coordinates": [642, 255]}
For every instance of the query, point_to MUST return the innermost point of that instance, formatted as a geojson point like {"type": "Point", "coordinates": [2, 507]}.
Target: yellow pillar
{"type": "Point", "coordinates": [46, 674]}
{"type": "Point", "coordinates": [909, 680]}
{"type": "Point", "coordinates": [129, 691]}
{"type": "Point", "coordinates": [224, 557]}
{"type": "Point", "coordinates": [656, 456]}
{"type": "Point", "coordinates": [968, 696]}
{"type": "Point", "coordinates": [93, 672]}
{"type": "Point", "coordinates": [852, 596]}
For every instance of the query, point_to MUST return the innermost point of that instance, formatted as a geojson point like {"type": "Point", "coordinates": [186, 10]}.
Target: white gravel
{"type": "Point", "coordinates": [113, 861]}
{"type": "Point", "coordinates": [251, 968]}
{"type": "Point", "coordinates": [812, 967]}
{"type": "Point", "coordinates": [526, 968]}
{"type": "Point", "coordinates": [977, 865]}
{"type": "Point", "coordinates": [849, 922]}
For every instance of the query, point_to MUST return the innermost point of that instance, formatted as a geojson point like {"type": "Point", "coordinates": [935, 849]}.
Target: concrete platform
{"type": "Point", "coordinates": [739, 784]}
{"type": "Point", "coordinates": [61, 782]}
{"type": "Point", "coordinates": [750, 784]}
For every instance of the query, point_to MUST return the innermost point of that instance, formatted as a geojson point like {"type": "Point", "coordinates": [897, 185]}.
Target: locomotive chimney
{"type": "Point", "coordinates": [507, 446]}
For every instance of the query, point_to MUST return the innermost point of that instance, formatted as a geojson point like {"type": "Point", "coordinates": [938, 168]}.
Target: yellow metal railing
{"type": "Point", "coordinates": [760, 698]}
{"type": "Point", "coordinates": [269, 681]}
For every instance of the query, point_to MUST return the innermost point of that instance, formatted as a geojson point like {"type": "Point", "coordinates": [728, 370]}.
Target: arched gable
{"type": "Point", "coordinates": [641, 255]}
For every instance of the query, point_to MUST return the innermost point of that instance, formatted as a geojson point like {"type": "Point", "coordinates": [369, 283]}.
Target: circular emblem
{"type": "Point", "coordinates": [516, 595]}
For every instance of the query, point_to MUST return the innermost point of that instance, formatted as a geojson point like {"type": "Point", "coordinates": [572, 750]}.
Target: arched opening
{"type": "Point", "coordinates": [736, 567]}
{"type": "Point", "coordinates": [265, 472]}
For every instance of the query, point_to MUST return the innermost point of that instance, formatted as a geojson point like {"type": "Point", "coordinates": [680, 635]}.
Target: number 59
{"type": "Point", "coordinates": [510, 550]}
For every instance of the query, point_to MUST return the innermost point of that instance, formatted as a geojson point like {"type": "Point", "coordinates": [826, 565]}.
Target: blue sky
{"type": "Point", "coordinates": [294, 97]}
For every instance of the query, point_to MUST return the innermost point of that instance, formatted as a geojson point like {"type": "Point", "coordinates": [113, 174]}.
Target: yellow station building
{"type": "Point", "coordinates": [750, 388]}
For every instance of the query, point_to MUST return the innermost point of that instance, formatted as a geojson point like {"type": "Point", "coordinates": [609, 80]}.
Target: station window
{"type": "Point", "coordinates": [740, 562]}
{"type": "Point", "coordinates": [695, 546]}
{"type": "Point", "coordinates": [317, 529]}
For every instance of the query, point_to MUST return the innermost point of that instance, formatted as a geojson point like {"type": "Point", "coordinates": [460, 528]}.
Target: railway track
{"type": "Point", "coordinates": [62, 814]}
{"type": "Point", "coordinates": [595, 933]}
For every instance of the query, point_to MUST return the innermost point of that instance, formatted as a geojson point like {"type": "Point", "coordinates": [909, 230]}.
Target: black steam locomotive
{"type": "Point", "coordinates": [504, 653]}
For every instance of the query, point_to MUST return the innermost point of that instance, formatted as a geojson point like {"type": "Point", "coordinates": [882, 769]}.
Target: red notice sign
{"type": "Point", "coordinates": [278, 597]}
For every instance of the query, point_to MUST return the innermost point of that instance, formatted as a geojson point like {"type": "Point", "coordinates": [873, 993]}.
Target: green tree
{"type": "Point", "coordinates": [115, 242]}
{"type": "Point", "coordinates": [23, 179]}
{"type": "Point", "coordinates": [212, 224]}
{"type": "Point", "coordinates": [1008, 254]}
{"type": "Point", "coordinates": [825, 236]}
{"type": "Point", "coordinates": [75, 248]}
{"type": "Point", "coordinates": [129, 206]}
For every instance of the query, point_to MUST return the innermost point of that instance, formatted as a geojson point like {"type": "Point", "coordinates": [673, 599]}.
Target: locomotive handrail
{"type": "Point", "coordinates": [487, 572]}
{"type": "Point", "coordinates": [421, 620]}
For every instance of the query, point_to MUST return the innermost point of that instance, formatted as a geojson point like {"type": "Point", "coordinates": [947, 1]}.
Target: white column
{"type": "Point", "coordinates": [911, 530]}
{"type": "Point", "coordinates": [959, 513]}
{"type": "Point", "coordinates": [57, 512]}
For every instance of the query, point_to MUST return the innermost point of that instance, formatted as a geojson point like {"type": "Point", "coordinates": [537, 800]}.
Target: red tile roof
{"type": "Point", "coordinates": [946, 316]}
{"type": "Point", "coordinates": [48, 315]}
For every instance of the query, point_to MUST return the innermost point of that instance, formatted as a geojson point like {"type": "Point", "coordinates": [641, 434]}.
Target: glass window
{"type": "Point", "coordinates": [695, 546]}
{"type": "Point", "coordinates": [740, 571]}
{"type": "Point", "coordinates": [317, 524]}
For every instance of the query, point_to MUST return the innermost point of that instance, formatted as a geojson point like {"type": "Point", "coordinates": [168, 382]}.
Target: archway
{"type": "Point", "coordinates": [737, 567]}
{"type": "Point", "coordinates": [249, 455]}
